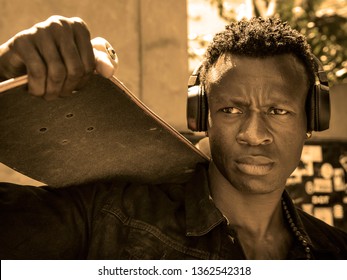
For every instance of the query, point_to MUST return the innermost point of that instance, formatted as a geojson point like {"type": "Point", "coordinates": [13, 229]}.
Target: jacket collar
{"type": "Point", "coordinates": [201, 213]}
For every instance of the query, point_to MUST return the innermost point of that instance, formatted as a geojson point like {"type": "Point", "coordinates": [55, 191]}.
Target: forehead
{"type": "Point", "coordinates": [283, 70]}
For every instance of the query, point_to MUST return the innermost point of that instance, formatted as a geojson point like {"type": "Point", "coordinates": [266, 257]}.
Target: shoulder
{"type": "Point", "coordinates": [14, 195]}
{"type": "Point", "coordinates": [330, 242]}
{"type": "Point", "coordinates": [153, 197]}
{"type": "Point", "coordinates": [310, 222]}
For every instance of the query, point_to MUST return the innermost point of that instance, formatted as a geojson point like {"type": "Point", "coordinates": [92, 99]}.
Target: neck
{"type": "Point", "coordinates": [256, 217]}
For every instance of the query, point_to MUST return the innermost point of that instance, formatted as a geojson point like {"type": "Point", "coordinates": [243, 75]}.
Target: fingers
{"type": "Point", "coordinates": [84, 64]}
{"type": "Point", "coordinates": [32, 60]}
{"type": "Point", "coordinates": [56, 72]}
{"type": "Point", "coordinates": [57, 54]}
{"type": "Point", "coordinates": [83, 43]}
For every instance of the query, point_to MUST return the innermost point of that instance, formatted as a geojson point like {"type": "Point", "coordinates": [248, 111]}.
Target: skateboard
{"type": "Point", "coordinates": [101, 132]}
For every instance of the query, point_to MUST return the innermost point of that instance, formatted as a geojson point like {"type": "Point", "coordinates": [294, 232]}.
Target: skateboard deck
{"type": "Point", "coordinates": [100, 132]}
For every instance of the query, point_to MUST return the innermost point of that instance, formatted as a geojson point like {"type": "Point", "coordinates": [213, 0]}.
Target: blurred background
{"type": "Point", "coordinates": [160, 42]}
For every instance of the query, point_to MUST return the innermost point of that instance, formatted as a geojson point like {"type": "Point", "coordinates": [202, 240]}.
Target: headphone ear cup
{"type": "Point", "coordinates": [203, 110]}
{"type": "Point", "coordinates": [318, 101]}
{"type": "Point", "coordinates": [197, 109]}
{"type": "Point", "coordinates": [319, 108]}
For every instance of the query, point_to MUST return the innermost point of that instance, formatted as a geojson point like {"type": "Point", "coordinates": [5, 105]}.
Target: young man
{"type": "Point", "coordinates": [257, 76]}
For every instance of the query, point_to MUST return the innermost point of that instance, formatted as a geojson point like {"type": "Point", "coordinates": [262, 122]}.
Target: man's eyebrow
{"type": "Point", "coordinates": [236, 100]}
{"type": "Point", "coordinates": [240, 101]}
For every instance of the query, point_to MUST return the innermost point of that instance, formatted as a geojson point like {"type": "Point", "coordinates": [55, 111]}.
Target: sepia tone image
{"type": "Point", "coordinates": [178, 129]}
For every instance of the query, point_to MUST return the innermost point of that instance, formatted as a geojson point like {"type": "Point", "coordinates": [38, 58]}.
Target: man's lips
{"type": "Point", "coordinates": [255, 165]}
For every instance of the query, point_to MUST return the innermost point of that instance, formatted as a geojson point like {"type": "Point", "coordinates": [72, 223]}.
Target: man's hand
{"type": "Point", "coordinates": [57, 55]}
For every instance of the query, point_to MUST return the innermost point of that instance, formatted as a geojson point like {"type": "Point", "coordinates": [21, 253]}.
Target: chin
{"type": "Point", "coordinates": [256, 189]}
{"type": "Point", "coordinates": [256, 184]}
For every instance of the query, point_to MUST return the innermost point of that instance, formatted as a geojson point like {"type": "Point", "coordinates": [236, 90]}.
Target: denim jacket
{"type": "Point", "coordinates": [117, 220]}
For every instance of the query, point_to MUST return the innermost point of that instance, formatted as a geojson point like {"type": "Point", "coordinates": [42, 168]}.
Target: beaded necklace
{"type": "Point", "coordinates": [297, 233]}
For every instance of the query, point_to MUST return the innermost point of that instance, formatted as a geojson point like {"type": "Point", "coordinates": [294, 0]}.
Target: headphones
{"type": "Point", "coordinates": [317, 102]}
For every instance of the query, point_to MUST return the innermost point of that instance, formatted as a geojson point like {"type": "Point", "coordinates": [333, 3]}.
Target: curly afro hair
{"type": "Point", "coordinates": [259, 37]}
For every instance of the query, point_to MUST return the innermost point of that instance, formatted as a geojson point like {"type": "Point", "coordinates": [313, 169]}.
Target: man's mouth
{"type": "Point", "coordinates": [255, 165]}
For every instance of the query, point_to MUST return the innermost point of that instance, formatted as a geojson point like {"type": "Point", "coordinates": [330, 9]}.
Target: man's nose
{"type": "Point", "coordinates": [254, 130]}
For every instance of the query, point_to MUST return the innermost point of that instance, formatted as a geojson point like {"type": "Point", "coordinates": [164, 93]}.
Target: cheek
{"type": "Point", "coordinates": [291, 148]}
{"type": "Point", "coordinates": [221, 143]}
{"type": "Point", "coordinates": [220, 154]}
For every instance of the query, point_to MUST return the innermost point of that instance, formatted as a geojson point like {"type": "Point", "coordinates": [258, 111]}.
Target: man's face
{"type": "Point", "coordinates": [257, 119]}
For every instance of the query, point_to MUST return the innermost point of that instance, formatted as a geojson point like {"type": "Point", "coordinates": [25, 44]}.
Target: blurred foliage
{"type": "Point", "coordinates": [321, 21]}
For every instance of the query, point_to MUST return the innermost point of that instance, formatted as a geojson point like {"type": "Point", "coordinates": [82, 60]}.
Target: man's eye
{"type": "Point", "coordinates": [276, 111]}
{"type": "Point", "coordinates": [231, 110]}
